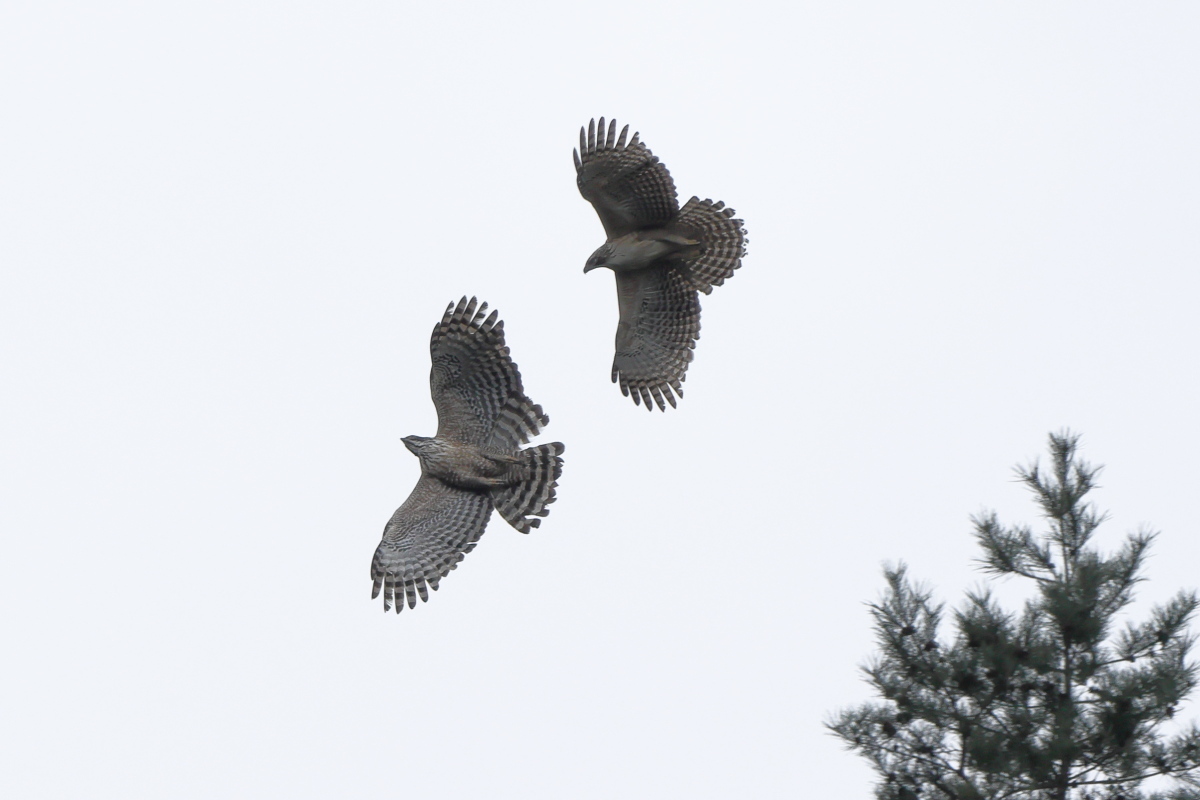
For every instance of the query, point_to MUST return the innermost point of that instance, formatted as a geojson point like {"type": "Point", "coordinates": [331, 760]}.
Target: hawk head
{"type": "Point", "coordinates": [600, 258]}
{"type": "Point", "coordinates": [417, 444]}
{"type": "Point", "coordinates": [637, 250]}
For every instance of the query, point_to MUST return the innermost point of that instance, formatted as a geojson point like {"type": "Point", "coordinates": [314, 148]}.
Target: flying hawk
{"type": "Point", "coordinates": [661, 254]}
{"type": "Point", "coordinates": [472, 465]}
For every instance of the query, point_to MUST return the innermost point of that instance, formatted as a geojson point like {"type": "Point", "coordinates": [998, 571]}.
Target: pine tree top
{"type": "Point", "coordinates": [1053, 702]}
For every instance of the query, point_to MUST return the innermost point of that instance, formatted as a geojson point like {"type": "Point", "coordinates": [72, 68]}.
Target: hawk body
{"type": "Point", "coordinates": [662, 255]}
{"type": "Point", "coordinates": [463, 466]}
{"type": "Point", "coordinates": [472, 465]}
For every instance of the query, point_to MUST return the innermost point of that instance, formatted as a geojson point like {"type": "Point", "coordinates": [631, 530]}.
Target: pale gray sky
{"type": "Point", "coordinates": [227, 228]}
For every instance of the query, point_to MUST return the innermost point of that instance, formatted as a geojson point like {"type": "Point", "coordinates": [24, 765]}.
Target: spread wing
{"type": "Point", "coordinates": [660, 322]}
{"type": "Point", "coordinates": [475, 385]}
{"type": "Point", "coordinates": [425, 539]}
{"type": "Point", "coordinates": [626, 183]}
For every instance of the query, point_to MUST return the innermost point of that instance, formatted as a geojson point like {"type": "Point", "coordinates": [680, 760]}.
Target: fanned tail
{"type": "Point", "coordinates": [542, 467]}
{"type": "Point", "coordinates": [722, 242]}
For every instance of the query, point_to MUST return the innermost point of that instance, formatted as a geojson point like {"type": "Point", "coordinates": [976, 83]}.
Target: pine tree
{"type": "Point", "coordinates": [1050, 704]}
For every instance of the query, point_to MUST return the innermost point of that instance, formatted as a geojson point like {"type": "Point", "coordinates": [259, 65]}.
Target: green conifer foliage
{"type": "Point", "coordinates": [1053, 703]}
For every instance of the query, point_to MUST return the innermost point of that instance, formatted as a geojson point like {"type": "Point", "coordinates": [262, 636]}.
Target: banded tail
{"type": "Point", "coordinates": [530, 497]}
{"type": "Point", "coordinates": [722, 242]}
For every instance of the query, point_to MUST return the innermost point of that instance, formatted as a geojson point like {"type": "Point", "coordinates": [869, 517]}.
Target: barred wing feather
{"type": "Point", "coordinates": [476, 387]}
{"type": "Point", "coordinates": [659, 326]}
{"type": "Point", "coordinates": [426, 538]}
{"type": "Point", "coordinates": [626, 183]}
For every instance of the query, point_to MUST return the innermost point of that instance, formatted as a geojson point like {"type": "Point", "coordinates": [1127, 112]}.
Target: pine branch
{"type": "Point", "coordinates": [1011, 552]}
{"type": "Point", "coordinates": [1126, 567]}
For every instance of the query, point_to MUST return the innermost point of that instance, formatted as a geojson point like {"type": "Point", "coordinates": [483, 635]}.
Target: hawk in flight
{"type": "Point", "coordinates": [472, 465]}
{"type": "Point", "coordinates": [662, 255]}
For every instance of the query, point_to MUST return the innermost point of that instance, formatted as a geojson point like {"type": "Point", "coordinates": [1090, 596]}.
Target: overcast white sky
{"type": "Point", "coordinates": [227, 228]}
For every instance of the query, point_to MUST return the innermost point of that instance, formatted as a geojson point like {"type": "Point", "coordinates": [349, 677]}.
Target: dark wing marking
{"type": "Point", "coordinates": [626, 183]}
{"type": "Point", "coordinates": [660, 322]}
{"type": "Point", "coordinates": [476, 387]}
{"type": "Point", "coordinates": [425, 539]}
